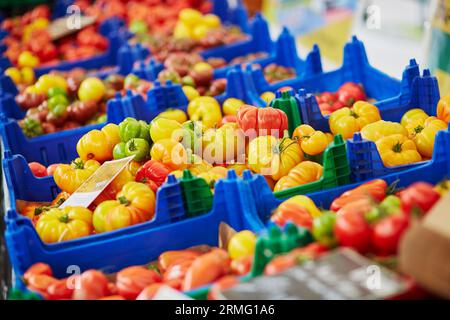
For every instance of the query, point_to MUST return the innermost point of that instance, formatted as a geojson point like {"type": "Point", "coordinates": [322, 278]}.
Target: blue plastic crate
{"type": "Point", "coordinates": [113, 29]}
{"type": "Point", "coordinates": [171, 229]}
{"type": "Point", "coordinates": [432, 171]}
{"type": "Point", "coordinates": [419, 92]}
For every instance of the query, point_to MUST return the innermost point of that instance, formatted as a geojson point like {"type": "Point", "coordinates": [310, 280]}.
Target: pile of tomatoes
{"type": "Point", "coordinates": [65, 100]}
{"type": "Point", "coordinates": [182, 270]}
{"type": "Point", "coordinates": [30, 44]}
{"type": "Point", "coordinates": [370, 218]}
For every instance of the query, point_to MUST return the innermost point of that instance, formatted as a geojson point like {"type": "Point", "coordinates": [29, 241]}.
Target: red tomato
{"type": "Point", "coordinates": [228, 118]}
{"type": "Point", "coordinates": [60, 290]}
{"type": "Point", "coordinates": [90, 285]}
{"type": "Point", "coordinates": [291, 212]}
{"type": "Point", "coordinates": [351, 92]}
{"type": "Point", "coordinates": [220, 285]}
{"type": "Point", "coordinates": [40, 283]}
{"type": "Point", "coordinates": [114, 297]}
{"type": "Point", "coordinates": [38, 268]}
{"type": "Point", "coordinates": [387, 232]}
{"type": "Point", "coordinates": [132, 280]}
{"type": "Point", "coordinates": [374, 189]}
{"type": "Point", "coordinates": [420, 196]}
{"type": "Point", "coordinates": [152, 170]}
{"type": "Point", "coordinates": [38, 169]}
{"type": "Point", "coordinates": [206, 268]}
{"type": "Point", "coordinates": [177, 271]}
{"type": "Point", "coordinates": [280, 263]}
{"type": "Point", "coordinates": [51, 168]}
{"type": "Point", "coordinates": [352, 230]}
{"type": "Point", "coordinates": [262, 121]}
{"type": "Point", "coordinates": [166, 259]}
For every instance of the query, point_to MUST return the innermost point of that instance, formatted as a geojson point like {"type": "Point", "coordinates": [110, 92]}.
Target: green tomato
{"type": "Point", "coordinates": [131, 80]}
{"type": "Point", "coordinates": [192, 135]}
{"type": "Point", "coordinates": [390, 204]}
{"type": "Point", "coordinates": [55, 91]}
{"type": "Point", "coordinates": [323, 227]}
{"type": "Point", "coordinates": [119, 151]}
{"type": "Point", "coordinates": [102, 118]}
{"type": "Point", "coordinates": [138, 27]}
{"type": "Point", "coordinates": [188, 81]}
{"type": "Point", "coordinates": [32, 127]}
{"type": "Point", "coordinates": [131, 128]}
{"type": "Point", "coordinates": [59, 99]}
{"type": "Point", "coordinates": [138, 147]}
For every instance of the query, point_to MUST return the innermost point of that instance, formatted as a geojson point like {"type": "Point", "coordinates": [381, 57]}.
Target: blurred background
{"type": "Point", "coordinates": [393, 31]}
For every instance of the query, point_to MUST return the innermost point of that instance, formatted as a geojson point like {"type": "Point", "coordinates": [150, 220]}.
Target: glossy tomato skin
{"type": "Point", "coordinates": [375, 189]}
{"type": "Point", "coordinates": [387, 232]}
{"type": "Point", "coordinates": [152, 170]}
{"type": "Point", "coordinates": [352, 230]}
{"type": "Point", "coordinates": [419, 196]}
{"type": "Point", "coordinates": [90, 285]}
{"type": "Point", "coordinates": [38, 169]}
{"type": "Point", "coordinates": [132, 280]}
{"type": "Point", "coordinates": [38, 268]}
{"type": "Point", "coordinates": [60, 290]}
{"type": "Point", "coordinates": [166, 259]}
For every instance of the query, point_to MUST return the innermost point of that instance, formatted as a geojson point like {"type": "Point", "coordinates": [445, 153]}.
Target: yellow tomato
{"type": "Point", "coordinates": [202, 66]}
{"type": "Point", "coordinates": [69, 177]}
{"type": "Point", "coordinates": [177, 173]}
{"type": "Point", "coordinates": [303, 173]}
{"type": "Point", "coordinates": [311, 141]}
{"type": "Point", "coordinates": [27, 59]}
{"type": "Point", "coordinates": [303, 202]}
{"type": "Point", "coordinates": [69, 223]}
{"type": "Point", "coordinates": [242, 244]}
{"type": "Point", "coordinates": [224, 144]}
{"type": "Point", "coordinates": [190, 92]}
{"type": "Point", "coordinates": [412, 116]}
{"type": "Point", "coordinates": [14, 74]}
{"type": "Point", "coordinates": [27, 75]}
{"type": "Point", "coordinates": [211, 20]}
{"type": "Point", "coordinates": [443, 187]}
{"type": "Point", "coordinates": [346, 121]}
{"type": "Point", "coordinates": [231, 106]}
{"type": "Point", "coordinates": [135, 204]}
{"type": "Point", "coordinates": [99, 144]}
{"type": "Point", "coordinates": [163, 128]}
{"type": "Point", "coordinates": [91, 89]}
{"type": "Point", "coordinates": [239, 168]}
{"type": "Point", "coordinates": [214, 174]}
{"type": "Point", "coordinates": [205, 109]}
{"type": "Point", "coordinates": [381, 129]}
{"type": "Point", "coordinates": [268, 155]}
{"type": "Point", "coordinates": [443, 108]}
{"type": "Point", "coordinates": [423, 133]}
{"type": "Point", "coordinates": [190, 16]}
{"type": "Point", "coordinates": [174, 114]}
{"type": "Point", "coordinates": [171, 153]}
{"type": "Point", "coordinates": [198, 165]}
{"type": "Point", "coordinates": [48, 81]}
{"type": "Point", "coordinates": [397, 149]}
{"type": "Point", "coordinates": [181, 30]}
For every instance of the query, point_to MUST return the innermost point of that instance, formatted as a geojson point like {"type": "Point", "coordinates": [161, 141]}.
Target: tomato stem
{"type": "Point", "coordinates": [64, 218]}
{"type": "Point", "coordinates": [353, 114]}
{"type": "Point", "coordinates": [397, 147]}
{"type": "Point", "coordinates": [78, 164]}
{"type": "Point", "coordinates": [123, 200]}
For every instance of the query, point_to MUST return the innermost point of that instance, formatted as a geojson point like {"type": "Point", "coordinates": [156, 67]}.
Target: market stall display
{"type": "Point", "coordinates": [257, 159]}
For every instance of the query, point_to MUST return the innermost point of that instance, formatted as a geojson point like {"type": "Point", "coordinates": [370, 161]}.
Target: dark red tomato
{"type": "Point", "coordinates": [153, 170]}
{"type": "Point", "coordinates": [420, 197]}
{"type": "Point", "coordinates": [38, 169]}
{"type": "Point", "coordinates": [352, 230]}
{"type": "Point", "coordinates": [387, 232]}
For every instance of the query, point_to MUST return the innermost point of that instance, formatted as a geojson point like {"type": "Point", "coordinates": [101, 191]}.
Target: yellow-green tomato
{"type": "Point", "coordinates": [91, 89]}
{"type": "Point", "coordinates": [242, 244]}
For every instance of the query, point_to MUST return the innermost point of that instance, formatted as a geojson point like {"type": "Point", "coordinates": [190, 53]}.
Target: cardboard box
{"type": "Point", "coordinates": [424, 251]}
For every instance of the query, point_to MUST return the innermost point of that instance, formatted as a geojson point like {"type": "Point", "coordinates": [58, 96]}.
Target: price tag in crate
{"type": "Point", "coordinates": [340, 275]}
{"type": "Point", "coordinates": [96, 183]}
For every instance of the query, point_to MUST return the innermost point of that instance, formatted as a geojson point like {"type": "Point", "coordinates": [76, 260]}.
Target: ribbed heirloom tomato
{"type": "Point", "coordinates": [68, 177]}
{"type": "Point", "coordinates": [268, 155]}
{"type": "Point", "coordinates": [262, 121]}
{"type": "Point", "coordinates": [396, 150]}
{"type": "Point", "coordinates": [380, 129]}
{"type": "Point", "coordinates": [303, 173]}
{"type": "Point", "coordinates": [99, 144]}
{"type": "Point", "coordinates": [135, 204]}
{"type": "Point", "coordinates": [311, 141]}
